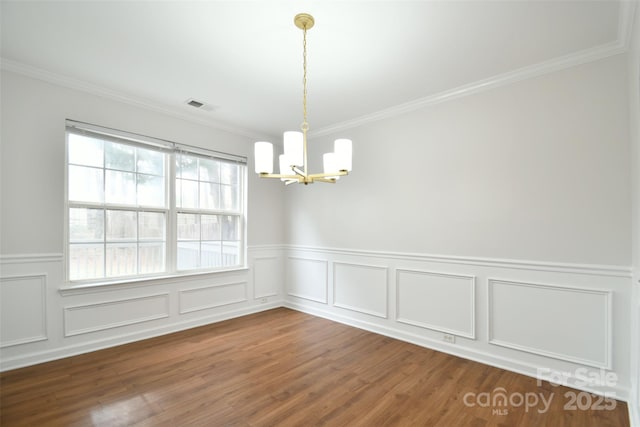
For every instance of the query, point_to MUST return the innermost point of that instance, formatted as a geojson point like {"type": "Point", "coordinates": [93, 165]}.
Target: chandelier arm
{"type": "Point", "coordinates": [298, 171]}
{"type": "Point", "coordinates": [316, 176]}
{"type": "Point", "coordinates": [279, 175]}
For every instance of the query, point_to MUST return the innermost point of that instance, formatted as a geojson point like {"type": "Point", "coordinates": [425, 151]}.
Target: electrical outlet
{"type": "Point", "coordinates": [263, 300]}
{"type": "Point", "coordinates": [451, 339]}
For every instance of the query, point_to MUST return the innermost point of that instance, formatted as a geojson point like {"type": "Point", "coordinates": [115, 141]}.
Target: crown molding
{"type": "Point", "coordinates": [620, 45]}
{"type": "Point", "coordinates": [93, 89]}
{"type": "Point", "coordinates": [536, 70]}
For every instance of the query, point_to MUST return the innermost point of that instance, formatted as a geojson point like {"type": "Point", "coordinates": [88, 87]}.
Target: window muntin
{"type": "Point", "coordinates": [121, 222]}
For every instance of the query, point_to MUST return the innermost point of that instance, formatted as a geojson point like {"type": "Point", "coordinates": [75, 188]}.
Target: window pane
{"type": "Point", "coordinates": [230, 228]}
{"type": "Point", "coordinates": [209, 196]}
{"type": "Point", "coordinates": [188, 254]}
{"type": "Point", "coordinates": [85, 184]}
{"type": "Point", "coordinates": [119, 156]}
{"type": "Point", "coordinates": [230, 253]}
{"type": "Point", "coordinates": [151, 190]}
{"type": "Point", "coordinates": [187, 167]}
{"type": "Point", "coordinates": [121, 259]}
{"type": "Point", "coordinates": [151, 258]}
{"type": "Point", "coordinates": [186, 193]}
{"type": "Point", "coordinates": [211, 255]}
{"type": "Point", "coordinates": [121, 187]}
{"type": "Point", "coordinates": [229, 197]}
{"type": "Point", "coordinates": [210, 227]}
{"type": "Point", "coordinates": [188, 227]}
{"type": "Point", "coordinates": [151, 225]}
{"type": "Point", "coordinates": [86, 261]}
{"type": "Point", "coordinates": [122, 225]}
{"type": "Point", "coordinates": [84, 150]}
{"type": "Point", "coordinates": [209, 170]}
{"type": "Point", "coordinates": [86, 225]}
{"type": "Point", "coordinates": [150, 162]}
{"type": "Point", "coordinates": [229, 173]}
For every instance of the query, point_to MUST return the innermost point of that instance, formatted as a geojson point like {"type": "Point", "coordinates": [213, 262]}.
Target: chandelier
{"type": "Point", "coordinates": [293, 163]}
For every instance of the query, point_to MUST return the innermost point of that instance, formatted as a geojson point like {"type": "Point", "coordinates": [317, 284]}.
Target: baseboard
{"type": "Point", "coordinates": [508, 364]}
{"type": "Point", "coordinates": [89, 346]}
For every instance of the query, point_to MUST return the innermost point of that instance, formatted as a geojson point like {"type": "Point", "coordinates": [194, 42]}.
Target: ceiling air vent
{"type": "Point", "coordinates": [195, 103]}
{"type": "Point", "coordinates": [200, 105]}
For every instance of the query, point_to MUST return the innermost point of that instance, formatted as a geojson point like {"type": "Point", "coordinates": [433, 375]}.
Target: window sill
{"type": "Point", "coordinates": [82, 288]}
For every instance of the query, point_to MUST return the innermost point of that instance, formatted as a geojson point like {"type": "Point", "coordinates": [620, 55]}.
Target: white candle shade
{"type": "Point", "coordinates": [343, 150]}
{"type": "Point", "coordinates": [330, 165]}
{"type": "Point", "coordinates": [263, 154]}
{"type": "Point", "coordinates": [293, 147]}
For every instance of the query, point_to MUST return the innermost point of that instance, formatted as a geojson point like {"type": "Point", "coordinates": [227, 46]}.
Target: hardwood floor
{"type": "Point", "coordinates": [281, 368]}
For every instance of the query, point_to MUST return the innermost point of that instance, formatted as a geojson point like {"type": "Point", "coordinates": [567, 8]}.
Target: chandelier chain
{"type": "Point", "coordinates": [305, 124]}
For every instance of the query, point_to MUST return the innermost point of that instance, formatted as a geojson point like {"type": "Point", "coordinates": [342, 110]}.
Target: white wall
{"type": "Point", "coordinates": [634, 114]}
{"type": "Point", "coordinates": [502, 218]}
{"type": "Point", "coordinates": [39, 320]}
{"type": "Point", "coordinates": [529, 171]}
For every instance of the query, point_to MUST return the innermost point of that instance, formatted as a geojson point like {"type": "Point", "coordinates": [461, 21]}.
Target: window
{"type": "Point", "coordinates": [139, 207]}
{"type": "Point", "coordinates": [207, 204]}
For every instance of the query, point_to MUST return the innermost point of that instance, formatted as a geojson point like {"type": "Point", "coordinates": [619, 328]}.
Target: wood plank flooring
{"type": "Point", "coordinates": [280, 368]}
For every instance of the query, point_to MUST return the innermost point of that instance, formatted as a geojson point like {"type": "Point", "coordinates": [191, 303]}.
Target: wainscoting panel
{"type": "Point", "coordinates": [307, 278]}
{"type": "Point", "coordinates": [438, 301]}
{"type": "Point", "coordinates": [566, 323]}
{"type": "Point", "coordinates": [267, 275]}
{"type": "Point", "coordinates": [361, 287]}
{"type": "Point", "coordinates": [44, 318]}
{"type": "Point", "coordinates": [207, 297]}
{"type": "Point", "coordinates": [23, 309]}
{"type": "Point", "coordinates": [83, 319]}
{"type": "Point", "coordinates": [577, 323]}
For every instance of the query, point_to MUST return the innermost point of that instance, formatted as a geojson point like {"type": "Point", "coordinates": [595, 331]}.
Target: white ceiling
{"type": "Point", "coordinates": [245, 57]}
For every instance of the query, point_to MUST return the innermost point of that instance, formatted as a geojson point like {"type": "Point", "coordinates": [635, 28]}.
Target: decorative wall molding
{"type": "Point", "coordinates": [587, 269]}
{"type": "Point", "coordinates": [87, 345]}
{"type": "Point", "coordinates": [101, 91]}
{"type": "Point", "coordinates": [268, 289]}
{"type": "Point", "coordinates": [588, 324]}
{"type": "Point", "coordinates": [161, 312]}
{"type": "Point", "coordinates": [28, 315]}
{"type": "Point", "coordinates": [299, 285]}
{"type": "Point", "coordinates": [30, 258]}
{"type": "Point", "coordinates": [446, 302]}
{"type": "Point", "coordinates": [235, 293]}
{"type": "Point", "coordinates": [375, 281]}
{"type": "Point", "coordinates": [488, 358]}
{"type": "Point", "coordinates": [93, 288]}
{"type": "Point", "coordinates": [620, 45]}
{"type": "Point", "coordinates": [271, 248]}
{"type": "Point", "coordinates": [532, 71]}
{"type": "Point", "coordinates": [590, 292]}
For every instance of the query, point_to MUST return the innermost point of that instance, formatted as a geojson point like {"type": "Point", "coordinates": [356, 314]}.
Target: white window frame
{"type": "Point", "coordinates": [170, 149]}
